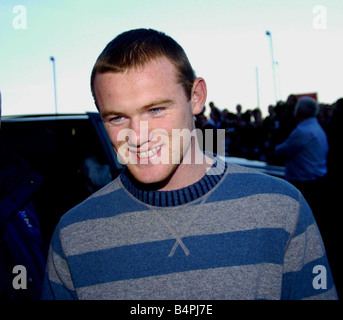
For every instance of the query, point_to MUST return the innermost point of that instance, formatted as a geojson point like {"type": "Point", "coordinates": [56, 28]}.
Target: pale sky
{"type": "Point", "coordinates": [225, 41]}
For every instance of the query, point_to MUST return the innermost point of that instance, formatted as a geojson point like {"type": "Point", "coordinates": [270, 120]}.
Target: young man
{"type": "Point", "coordinates": [178, 224]}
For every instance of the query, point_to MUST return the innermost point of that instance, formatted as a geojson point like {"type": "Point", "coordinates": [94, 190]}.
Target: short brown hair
{"type": "Point", "coordinates": [135, 48]}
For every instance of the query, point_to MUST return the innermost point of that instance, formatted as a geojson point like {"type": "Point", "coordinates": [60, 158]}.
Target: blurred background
{"type": "Point", "coordinates": [251, 53]}
{"type": "Point", "coordinates": [257, 57]}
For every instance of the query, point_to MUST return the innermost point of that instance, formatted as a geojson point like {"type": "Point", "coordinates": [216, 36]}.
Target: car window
{"type": "Point", "coordinates": [69, 156]}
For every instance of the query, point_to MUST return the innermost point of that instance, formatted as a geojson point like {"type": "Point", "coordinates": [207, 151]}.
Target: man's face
{"type": "Point", "coordinates": [140, 108]}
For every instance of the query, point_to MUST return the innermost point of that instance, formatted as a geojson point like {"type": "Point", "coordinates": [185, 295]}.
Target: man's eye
{"type": "Point", "coordinates": [116, 119]}
{"type": "Point", "coordinates": [156, 110]}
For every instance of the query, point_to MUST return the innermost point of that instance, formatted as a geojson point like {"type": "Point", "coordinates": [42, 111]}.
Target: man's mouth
{"type": "Point", "coordinates": [149, 153]}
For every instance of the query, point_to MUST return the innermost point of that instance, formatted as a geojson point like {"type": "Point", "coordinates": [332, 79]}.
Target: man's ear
{"type": "Point", "coordinates": [199, 95]}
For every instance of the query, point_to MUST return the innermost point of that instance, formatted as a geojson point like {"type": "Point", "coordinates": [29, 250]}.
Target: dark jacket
{"type": "Point", "coordinates": [21, 242]}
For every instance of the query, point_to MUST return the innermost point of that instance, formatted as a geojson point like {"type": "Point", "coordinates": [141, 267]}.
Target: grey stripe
{"type": "Point", "coordinates": [55, 262]}
{"type": "Point", "coordinates": [328, 295]}
{"type": "Point", "coordinates": [257, 211]}
{"type": "Point", "coordinates": [111, 187]}
{"type": "Point", "coordinates": [233, 168]}
{"type": "Point", "coordinates": [219, 283]}
{"type": "Point", "coordinates": [296, 256]}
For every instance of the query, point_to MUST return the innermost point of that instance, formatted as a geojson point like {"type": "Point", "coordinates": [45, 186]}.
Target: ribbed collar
{"type": "Point", "coordinates": [174, 197]}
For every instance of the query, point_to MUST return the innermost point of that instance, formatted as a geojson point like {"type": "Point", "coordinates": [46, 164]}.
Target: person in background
{"type": "Point", "coordinates": [305, 153]}
{"type": "Point", "coordinates": [333, 196]}
{"type": "Point", "coordinates": [21, 242]}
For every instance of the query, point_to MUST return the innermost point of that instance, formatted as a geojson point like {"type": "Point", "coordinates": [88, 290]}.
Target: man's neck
{"type": "Point", "coordinates": [192, 168]}
{"type": "Point", "coordinates": [157, 195]}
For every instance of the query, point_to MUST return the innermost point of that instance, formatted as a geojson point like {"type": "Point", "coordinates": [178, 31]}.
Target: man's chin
{"type": "Point", "coordinates": [154, 178]}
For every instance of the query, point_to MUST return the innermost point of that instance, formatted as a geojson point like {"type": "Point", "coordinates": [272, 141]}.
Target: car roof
{"type": "Point", "coordinates": [44, 117]}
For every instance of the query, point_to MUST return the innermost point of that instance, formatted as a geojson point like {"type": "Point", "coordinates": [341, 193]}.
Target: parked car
{"type": "Point", "coordinates": [71, 152]}
{"type": "Point", "coordinates": [277, 171]}
{"type": "Point", "coordinates": [75, 157]}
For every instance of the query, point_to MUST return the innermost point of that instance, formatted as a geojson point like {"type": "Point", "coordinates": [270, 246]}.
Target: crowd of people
{"type": "Point", "coordinates": [250, 135]}
{"type": "Point", "coordinates": [307, 145]}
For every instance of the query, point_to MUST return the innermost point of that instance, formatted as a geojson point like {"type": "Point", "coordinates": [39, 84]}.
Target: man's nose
{"type": "Point", "coordinates": [139, 132]}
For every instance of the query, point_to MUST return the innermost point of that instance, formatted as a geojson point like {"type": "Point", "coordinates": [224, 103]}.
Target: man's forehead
{"type": "Point", "coordinates": [120, 95]}
{"type": "Point", "coordinates": [158, 79]}
{"type": "Point", "coordinates": [160, 65]}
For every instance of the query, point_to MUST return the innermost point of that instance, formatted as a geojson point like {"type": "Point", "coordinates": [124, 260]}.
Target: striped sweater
{"type": "Point", "coordinates": [239, 234]}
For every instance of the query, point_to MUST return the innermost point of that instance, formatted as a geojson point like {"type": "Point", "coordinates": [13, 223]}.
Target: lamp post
{"type": "Point", "coordinates": [278, 79]}
{"type": "Point", "coordinates": [257, 87]}
{"type": "Point", "coordinates": [268, 33]}
{"type": "Point", "coordinates": [52, 59]}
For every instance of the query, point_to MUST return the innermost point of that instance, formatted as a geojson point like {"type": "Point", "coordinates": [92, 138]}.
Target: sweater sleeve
{"type": "Point", "coordinates": [58, 283]}
{"type": "Point", "coordinates": [306, 273]}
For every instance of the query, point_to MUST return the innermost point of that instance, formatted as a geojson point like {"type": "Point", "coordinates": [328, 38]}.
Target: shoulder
{"type": "Point", "coordinates": [242, 181]}
{"type": "Point", "coordinates": [238, 172]}
{"type": "Point", "coordinates": [111, 200]}
{"type": "Point", "coordinates": [259, 199]}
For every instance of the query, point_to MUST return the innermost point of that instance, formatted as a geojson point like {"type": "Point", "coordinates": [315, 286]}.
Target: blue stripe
{"type": "Point", "coordinates": [104, 206]}
{"type": "Point", "coordinates": [291, 290]}
{"type": "Point", "coordinates": [306, 217]}
{"type": "Point", "coordinates": [53, 291]}
{"type": "Point", "coordinates": [56, 244]}
{"type": "Point", "coordinates": [151, 259]}
{"type": "Point", "coordinates": [239, 185]}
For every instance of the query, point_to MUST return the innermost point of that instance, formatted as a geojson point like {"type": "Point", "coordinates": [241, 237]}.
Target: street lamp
{"type": "Point", "coordinates": [268, 33]}
{"type": "Point", "coordinates": [257, 87]}
{"type": "Point", "coordinates": [52, 59]}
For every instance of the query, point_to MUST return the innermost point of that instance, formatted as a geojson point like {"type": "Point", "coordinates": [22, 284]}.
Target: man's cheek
{"type": "Point", "coordinates": [124, 156]}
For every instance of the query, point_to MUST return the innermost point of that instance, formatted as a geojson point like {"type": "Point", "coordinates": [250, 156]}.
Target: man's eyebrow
{"type": "Point", "coordinates": [145, 107]}
{"type": "Point", "coordinates": [110, 113]}
{"type": "Point", "coordinates": [156, 103]}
